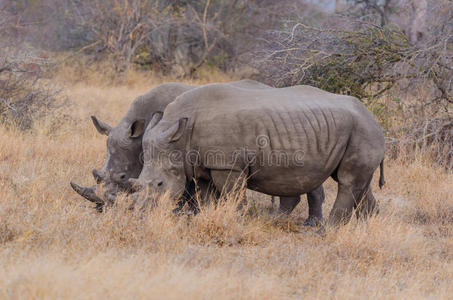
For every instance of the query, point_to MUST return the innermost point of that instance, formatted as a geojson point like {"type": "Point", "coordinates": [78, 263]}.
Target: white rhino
{"type": "Point", "coordinates": [227, 134]}
{"type": "Point", "coordinates": [124, 148]}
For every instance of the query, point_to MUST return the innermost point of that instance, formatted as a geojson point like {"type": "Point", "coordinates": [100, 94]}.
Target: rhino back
{"type": "Point", "coordinates": [159, 97]}
{"type": "Point", "coordinates": [271, 128]}
{"type": "Point", "coordinates": [288, 119]}
{"type": "Point", "coordinates": [155, 100]}
{"type": "Point", "coordinates": [249, 84]}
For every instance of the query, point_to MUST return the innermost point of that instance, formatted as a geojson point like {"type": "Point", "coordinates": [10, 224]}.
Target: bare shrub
{"type": "Point", "coordinates": [357, 60]}
{"type": "Point", "coordinates": [24, 95]}
{"type": "Point", "coordinates": [431, 135]}
{"type": "Point", "coordinates": [178, 36]}
{"type": "Point", "coordinates": [46, 24]}
{"type": "Point", "coordinates": [165, 35]}
{"type": "Point", "coordinates": [410, 15]}
{"type": "Point", "coordinates": [369, 58]}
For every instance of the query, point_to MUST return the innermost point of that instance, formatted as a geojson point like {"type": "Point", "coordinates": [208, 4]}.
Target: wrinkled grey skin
{"type": "Point", "coordinates": [322, 134]}
{"type": "Point", "coordinates": [124, 150]}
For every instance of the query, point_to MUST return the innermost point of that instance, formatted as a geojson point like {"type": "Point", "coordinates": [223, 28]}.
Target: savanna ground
{"type": "Point", "coordinates": [53, 245]}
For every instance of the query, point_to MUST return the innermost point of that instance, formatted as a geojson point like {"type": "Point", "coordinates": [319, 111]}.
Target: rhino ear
{"type": "Point", "coordinates": [175, 132]}
{"type": "Point", "coordinates": [137, 128]}
{"type": "Point", "coordinates": [102, 127]}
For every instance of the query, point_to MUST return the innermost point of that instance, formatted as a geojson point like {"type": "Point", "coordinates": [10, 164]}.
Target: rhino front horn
{"type": "Point", "coordinates": [87, 193]}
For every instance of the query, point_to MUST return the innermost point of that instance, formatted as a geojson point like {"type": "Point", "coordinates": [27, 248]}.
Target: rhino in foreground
{"type": "Point", "coordinates": [226, 134]}
{"type": "Point", "coordinates": [124, 148]}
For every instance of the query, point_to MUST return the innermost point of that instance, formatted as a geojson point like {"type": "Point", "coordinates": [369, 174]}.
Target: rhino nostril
{"type": "Point", "coordinates": [123, 176]}
{"type": "Point", "coordinates": [160, 183]}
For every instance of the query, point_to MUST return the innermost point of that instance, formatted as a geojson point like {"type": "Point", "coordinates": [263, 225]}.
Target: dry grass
{"type": "Point", "coordinates": [52, 245]}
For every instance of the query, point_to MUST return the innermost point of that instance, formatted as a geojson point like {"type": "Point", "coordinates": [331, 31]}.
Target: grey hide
{"type": "Point", "coordinates": [228, 134]}
{"type": "Point", "coordinates": [124, 150]}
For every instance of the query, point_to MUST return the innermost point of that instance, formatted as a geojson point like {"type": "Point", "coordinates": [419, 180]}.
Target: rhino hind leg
{"type": "Point", "coordinates": [349, 196]}
{"type": "Point", "coordinates": [343, 205]}
{"type": "Point", "coordinates": [315, 199]}
{"type": "Point", "coordinates": [368, 206]}
{"type": "Point", "coordinates": [354, 174]}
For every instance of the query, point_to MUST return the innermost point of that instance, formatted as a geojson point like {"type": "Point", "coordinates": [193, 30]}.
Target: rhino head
{"type": "Point", "coordinates": [163, 169]}
{"type": "Point", "coordinates": [124, 147]}
{"type": "Point", "coordinates": [123, 160]}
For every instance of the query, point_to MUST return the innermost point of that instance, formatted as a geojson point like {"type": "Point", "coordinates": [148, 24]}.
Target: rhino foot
{"type": "Point", "coordinates": [321, 231]}
{"type": "Point", "coordinates": [177, 211]}
{"type": "Point", "coordinates": [312, 221]}
{"type": "Point", "coordinates": [189, 212]}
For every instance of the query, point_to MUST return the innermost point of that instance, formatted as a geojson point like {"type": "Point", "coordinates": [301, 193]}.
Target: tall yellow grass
{"type": "Point", "coordinates": [54, 246]}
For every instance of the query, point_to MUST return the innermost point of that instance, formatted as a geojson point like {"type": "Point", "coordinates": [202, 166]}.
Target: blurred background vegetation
{"type": "Point", "coordinates": [394, 55]}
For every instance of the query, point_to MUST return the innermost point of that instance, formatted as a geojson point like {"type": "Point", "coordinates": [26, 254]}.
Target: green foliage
{"type": "Point", "coordinates": [366, 57]}
{"type": "Point", "coordinates": [361, 59]}
{"type": "Point", "coordinates": [348, 62]}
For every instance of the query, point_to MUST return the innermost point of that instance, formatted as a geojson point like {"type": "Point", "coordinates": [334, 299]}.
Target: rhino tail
{"type": "Point", "coordinates": [381, 174]}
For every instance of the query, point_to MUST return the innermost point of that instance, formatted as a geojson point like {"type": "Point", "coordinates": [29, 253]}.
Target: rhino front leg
{"type": "Point", "coordinates": [205, 191]}
{"type": "Point", "coordinates": [228, 181]}
{"type": "Point", "coordinates": [315, 199]}
{"type": "Point", "coordinates": [196, 193]}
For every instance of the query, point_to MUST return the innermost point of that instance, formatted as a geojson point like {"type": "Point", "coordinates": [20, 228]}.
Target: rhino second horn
{"type": "Point", "coordinates": [97, 176]}
{"type": "Point", "coordinates": [87, 193]}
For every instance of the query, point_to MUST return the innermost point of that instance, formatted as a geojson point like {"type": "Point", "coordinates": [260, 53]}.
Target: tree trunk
{"type": "Point", "coordinates": [337, 6]}
{"type": "Point", "coordinates": [417, 25]}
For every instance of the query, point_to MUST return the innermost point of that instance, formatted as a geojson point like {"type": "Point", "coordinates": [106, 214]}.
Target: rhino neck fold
{"type": "Point", "coordinates": [188, 167]}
